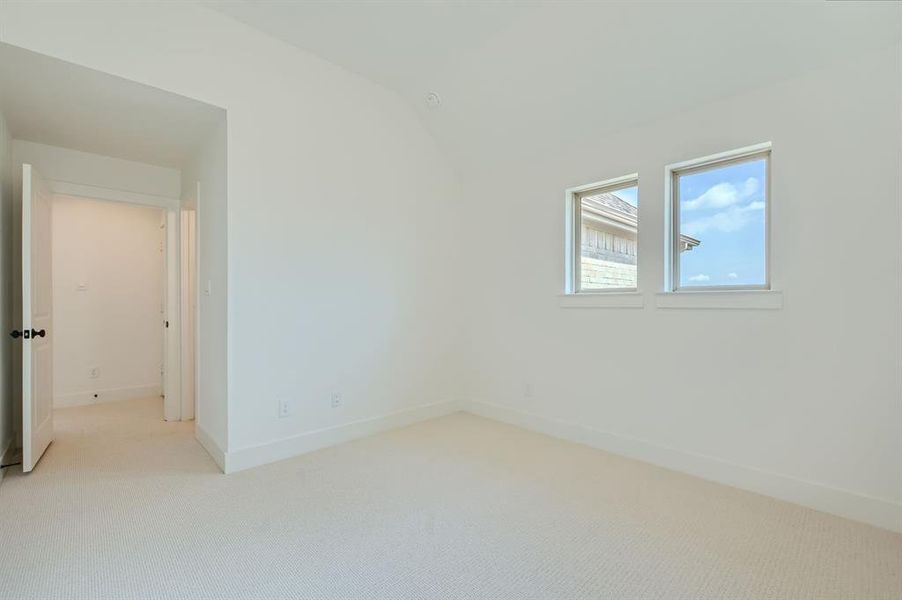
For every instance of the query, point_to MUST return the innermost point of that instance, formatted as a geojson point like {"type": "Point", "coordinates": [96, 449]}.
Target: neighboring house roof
{"type": "Point", "coordinates": [608, 207]}
{"type": "Point", "coordinates": [607, 203]}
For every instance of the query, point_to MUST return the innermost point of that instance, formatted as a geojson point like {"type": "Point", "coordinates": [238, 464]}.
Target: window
{"type": "Point", "coordinates": [719, 212]}
{"type": "Point", "coordinates": [602, 240]}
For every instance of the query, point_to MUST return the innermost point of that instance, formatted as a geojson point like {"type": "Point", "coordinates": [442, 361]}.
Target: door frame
{"type": "Point", "coordinates": [172, 362]}
{"type": "Point", "coordinates": [171, 387]}
{"type": "Point", "coordinates": [189, 326]}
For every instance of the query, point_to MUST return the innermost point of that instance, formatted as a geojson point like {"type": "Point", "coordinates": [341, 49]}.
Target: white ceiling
{"type": "Point", "coordinates": [50, 101]}
{"type": "Point", "coordinates": [530, 76]}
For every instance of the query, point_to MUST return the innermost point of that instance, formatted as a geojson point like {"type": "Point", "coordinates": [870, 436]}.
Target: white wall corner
{"type": "Point", "coordinates": [880, 512]}
{"type": "Point", "coordinates": [206, 440]}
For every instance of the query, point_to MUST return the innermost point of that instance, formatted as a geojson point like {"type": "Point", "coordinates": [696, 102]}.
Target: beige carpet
{"type": "Point", "coordinates": [126, 506]}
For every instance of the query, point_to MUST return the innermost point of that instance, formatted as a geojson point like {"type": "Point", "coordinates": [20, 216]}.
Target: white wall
{"type": "Point", "coordinates": [339, 208]}
{"type": "Point", "coordinates": [107, 297]}
{"type": "Point", "coordinates": [7, 345]}
{"type": "Point", "coordinates": [803, 402]}
{"type": "Point", "coordinates": [209, 169]}
{"type": "Point", "coordinates": [71, 171]}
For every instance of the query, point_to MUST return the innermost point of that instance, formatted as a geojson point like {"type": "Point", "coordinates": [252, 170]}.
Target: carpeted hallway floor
{"type": "Point", "coordinates": [126, 506]}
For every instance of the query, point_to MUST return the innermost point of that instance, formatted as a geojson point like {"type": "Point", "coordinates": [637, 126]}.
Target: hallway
{"type": "Point", "coordinates": [115, 475]}
{"type": "Point", "coordinates": [113, 440]}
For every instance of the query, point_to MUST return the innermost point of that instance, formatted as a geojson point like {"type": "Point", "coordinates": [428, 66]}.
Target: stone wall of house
{"type": "Point", "coordinates": [608, 259]}
{"type": "Point", "coordinates": [597, 273]}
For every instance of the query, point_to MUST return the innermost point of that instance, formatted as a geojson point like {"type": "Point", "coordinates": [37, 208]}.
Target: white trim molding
{"type": "Point", "coordinates": [261, 454]}
{"type": "Point", "coordinates": [881, 512]}
{"type": "Point", "coordinates": [735, 299]}
{"type": "Point", "coordinates": [93, 192]}
{"type": "Point", "coordinates": [7, 455]}
{"type": "Point", "coordinates": [107, 395]}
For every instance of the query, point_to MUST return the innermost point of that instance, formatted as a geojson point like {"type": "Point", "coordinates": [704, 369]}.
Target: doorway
{"type": "Point", "coordinates": [109, 283]}
{"type": "Point", "coordinates": [109, 313]}
{"type": "Point", "coordinates": [127, 143]}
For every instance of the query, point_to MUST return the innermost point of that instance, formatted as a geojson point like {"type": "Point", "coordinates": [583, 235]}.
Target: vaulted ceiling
{"type": "Point", "coordinates": [524, 76]}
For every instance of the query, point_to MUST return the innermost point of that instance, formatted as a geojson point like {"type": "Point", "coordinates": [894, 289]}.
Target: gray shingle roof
{"type": "Point", "coordinates": [607, 202]}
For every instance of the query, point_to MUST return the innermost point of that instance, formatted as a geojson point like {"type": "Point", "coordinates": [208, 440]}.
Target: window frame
{"type": "Point", "coordinates": [573, 237]}
{"type": "Point", "coordinates": [672, 212]}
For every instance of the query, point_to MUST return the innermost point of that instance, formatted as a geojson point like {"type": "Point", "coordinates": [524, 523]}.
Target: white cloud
{"type": "Point", "coordinates": [722, 195]}
{"type": "Point", "coordinates": [700, 277]}
{"type": "Point", "coordinates": [718, 196]}
{"type": "Point", "coordinates": [732, 219]}
{"type": "Point", "coordinates": [756, 205]}
{"type": "Point", "coordinates": [733, 275]}
{"type": "Point", "coordinates": [750, 186]}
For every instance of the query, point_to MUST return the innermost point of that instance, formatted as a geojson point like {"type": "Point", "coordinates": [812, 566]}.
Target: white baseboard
{"type": "Point", "coordinates": [107, 395]}
{"type": "Point", "coordinates": [206, 440]}
{"type": "Point", "coordinates": [880, 512]}
{"type": "Point", "coordinates": [252, 456]}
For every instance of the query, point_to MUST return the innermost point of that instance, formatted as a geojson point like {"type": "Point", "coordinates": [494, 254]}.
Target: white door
{"type": "Point", "coordinates": [37, 319]}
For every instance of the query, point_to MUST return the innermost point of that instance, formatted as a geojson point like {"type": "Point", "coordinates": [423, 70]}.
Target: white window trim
{"type": "Point", "coordinates": [573, 223]}
{"type": "Point", "coordinates": [757, 296]}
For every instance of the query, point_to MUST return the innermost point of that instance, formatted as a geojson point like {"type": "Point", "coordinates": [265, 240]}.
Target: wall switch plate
{"type": "Point", "coordinates": [336, 399]}
{"type": "Point", "coordinates": [208, 287]}
{"type": "Point", "coordinates": [82, 287]}
{"type": "Point", "coordinates": [94, 373]}
{"type": "Point", "coordinates": [284, 408]}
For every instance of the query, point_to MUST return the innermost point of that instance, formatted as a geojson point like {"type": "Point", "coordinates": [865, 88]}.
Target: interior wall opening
{"type": "Point", "coordinates": [103, 193]}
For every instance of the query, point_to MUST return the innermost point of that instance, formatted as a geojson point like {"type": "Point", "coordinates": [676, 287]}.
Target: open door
{"type": "Point", "coordinates": [37, 319]}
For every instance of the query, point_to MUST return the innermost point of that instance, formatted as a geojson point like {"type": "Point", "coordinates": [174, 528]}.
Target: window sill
{"type": "Point", "coordinates": [603, 300]}
{"type": "Point", "coordinates": [728, 299]}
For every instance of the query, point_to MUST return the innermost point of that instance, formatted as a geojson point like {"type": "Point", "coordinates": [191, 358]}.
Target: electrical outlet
{"type": "Point", "coordinates": [284, 408]}
{"type": "Point", "coordinates": [336, 399]}
{"type": "Point", "coordinates": [94, 373]}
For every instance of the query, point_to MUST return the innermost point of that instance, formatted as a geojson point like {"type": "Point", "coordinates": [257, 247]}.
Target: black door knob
{"type": "Point", "coordinates": [16, 334]}
{"type": "Point", "coordinates": [35, 334]}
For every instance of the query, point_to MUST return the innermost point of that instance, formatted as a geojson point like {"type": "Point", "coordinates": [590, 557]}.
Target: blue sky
{"type": "Point", "coordinates": [724, 209]}
{"type": "Point", "coordinates": [630, 195]}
